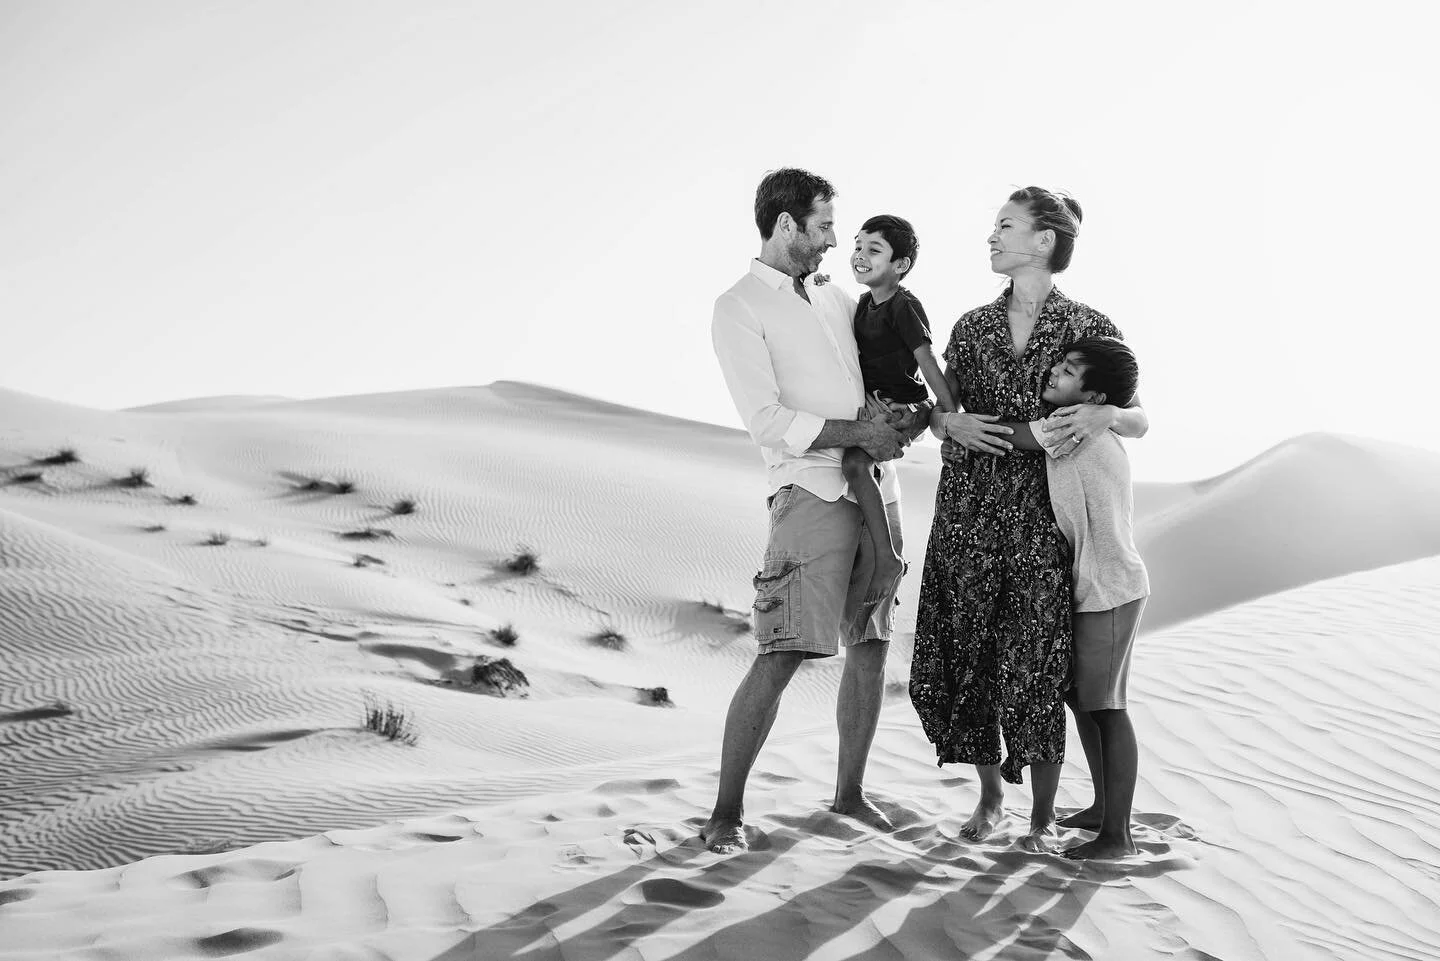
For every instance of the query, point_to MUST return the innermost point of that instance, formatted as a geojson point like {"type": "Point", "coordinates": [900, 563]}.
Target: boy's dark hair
{"type": "Point", "coordinates": [1057, 212]}
{"type": "Point", "coordinates": [1110, 367]}
{"type": "Point", "coordinates": [788, 190]}
{"type": "Point", "coordinates": [898, 234]}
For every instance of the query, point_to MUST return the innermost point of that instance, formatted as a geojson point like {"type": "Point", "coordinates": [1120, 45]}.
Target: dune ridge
{"type": "Point", "coordinates": [180, 721]}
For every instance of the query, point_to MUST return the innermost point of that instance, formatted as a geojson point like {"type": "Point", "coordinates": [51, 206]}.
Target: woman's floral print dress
{"type": "Point", "coordinates": [992, 633]}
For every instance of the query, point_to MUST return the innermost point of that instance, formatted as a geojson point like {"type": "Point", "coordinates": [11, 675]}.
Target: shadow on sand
{"type": "Point", "coordinates": [963, 901]}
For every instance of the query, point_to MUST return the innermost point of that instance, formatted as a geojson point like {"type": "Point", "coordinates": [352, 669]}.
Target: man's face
{"type": "Point", "coordinates": [1066, 384]}
{"type": "Point", "coordinates": [807, 246]}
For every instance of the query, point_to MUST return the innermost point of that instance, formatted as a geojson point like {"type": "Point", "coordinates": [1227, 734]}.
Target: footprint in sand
{"type": "Point", "coordinates": [241, 870]}
{"type": "Point", "coordinates": [237, 941]}
{"type": "Point", "coordinates": [673, 891]}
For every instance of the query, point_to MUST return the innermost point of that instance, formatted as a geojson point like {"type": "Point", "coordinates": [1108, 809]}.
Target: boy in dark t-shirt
{"type": "Point", "coordinates": [893, 338]}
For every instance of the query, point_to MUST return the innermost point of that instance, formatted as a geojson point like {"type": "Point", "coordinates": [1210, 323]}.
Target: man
{"type": "Point", "coordinates": [787, 351]}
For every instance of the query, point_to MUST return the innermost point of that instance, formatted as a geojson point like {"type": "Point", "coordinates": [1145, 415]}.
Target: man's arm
{"type": "Point", "coordinates": [750, 377]}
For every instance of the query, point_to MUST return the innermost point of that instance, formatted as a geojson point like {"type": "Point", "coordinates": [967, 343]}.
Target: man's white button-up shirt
{"type": "Point", "coordinates": [790, 366]}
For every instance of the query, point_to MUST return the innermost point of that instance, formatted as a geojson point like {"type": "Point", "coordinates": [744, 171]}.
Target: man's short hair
{"type": "Point", "coordinates": [1110, 367]}
{"type": "Point", "coordinates": [788, 190]}
{"type": "Point", "coordinates": [898, 234]}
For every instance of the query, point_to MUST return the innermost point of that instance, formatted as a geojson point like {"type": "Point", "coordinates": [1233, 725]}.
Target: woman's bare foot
{"type": "Point", "coordinates": [885, 581]}
{"type": "Point", "coordinates": [985, 819]}
{"type": "Point", "coordinates": [1088, 819]}
{"type": "Point", "coordinates": [1041, 834]}
{"type": "Point", "coordinates": [724, 835]}
{"type": "Point", "coordinates": [863, 811]}
{"type": "Point", "coordinates": [1101, 847]}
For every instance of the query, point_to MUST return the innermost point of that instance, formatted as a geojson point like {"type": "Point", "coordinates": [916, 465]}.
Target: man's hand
{"type": "Point", "coordinates": [1076, 424]}
{"type": "Point", "coordinates": [881, 441]}
{"type": "Point", "coordinates": [977, 432]}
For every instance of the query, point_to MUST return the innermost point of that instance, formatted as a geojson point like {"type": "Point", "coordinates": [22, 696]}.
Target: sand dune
{"type": "Point", "coordinates": [188, 775]}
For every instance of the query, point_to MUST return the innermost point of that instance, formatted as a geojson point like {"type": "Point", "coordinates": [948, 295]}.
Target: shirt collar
{"type": "Point", "coordinates": [771, 277]}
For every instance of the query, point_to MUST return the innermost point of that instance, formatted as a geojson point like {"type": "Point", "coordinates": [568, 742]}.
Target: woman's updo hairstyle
{"type": "Point", "coordinates": [1052, 211]}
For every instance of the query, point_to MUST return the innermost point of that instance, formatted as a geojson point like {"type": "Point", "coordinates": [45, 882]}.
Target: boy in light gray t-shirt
{"type": "Point", "coordinates": [1091, 495]}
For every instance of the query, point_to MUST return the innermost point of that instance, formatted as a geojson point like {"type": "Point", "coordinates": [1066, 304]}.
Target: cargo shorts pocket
{"type": "Point", "coordinates": [777, 600]}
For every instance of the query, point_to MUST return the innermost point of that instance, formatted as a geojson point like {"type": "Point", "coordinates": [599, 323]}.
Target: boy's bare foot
{"type": "Point", "coordinates": [983, 821]}
{"type": "Point", "coordinates": [724, 835]}
{"type": "Point", "coordinates": [1101, 847]}
{"type": "Point", "coordinates": [863, 811]}
{"type": "Point", "coordinates": [885, 581]}
{"type": "Point", "coordinates": [1041, 834]}
{"type": "Point", "coordinates": [1088, 819]}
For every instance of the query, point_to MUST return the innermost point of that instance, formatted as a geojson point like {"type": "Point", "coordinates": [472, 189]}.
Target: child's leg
{"type": "Point", "coordinates": [1090, 817]}
{"type": "Point", "coordinates": [859, 472]}
{"type": "Point", "coordinates": [1120, 761]}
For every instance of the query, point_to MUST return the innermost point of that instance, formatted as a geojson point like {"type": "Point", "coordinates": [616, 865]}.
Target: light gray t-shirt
{"type": "Point", "coordinates": [1090, 493]}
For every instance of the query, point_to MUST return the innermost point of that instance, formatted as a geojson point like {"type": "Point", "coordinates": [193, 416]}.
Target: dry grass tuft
{"type": "Point", "coordinates": [657, 696]}
{"type": "Point", "coordinates": [366, 534]}
{"type": "Point", "coordinates": [365, 560]}
{"type": "Point", "coordinates": [138, 477]}
{"type": "Point", "coordinates": [217, 539]}
{"type": "Point", "coordinates": [505, 635]}
{"type": "Point", "coordinates": [404, 506]}
{"type": "Point", "coordinates": [523, 562]}
{"type": "Point", "coordinates": [185, 500]}
{"type": "Point", "coordinates": [63, 456]}
{"type": "Point", "coordinates": [610, 638]}
{"type": "Point", "coordinates": [388, 720]}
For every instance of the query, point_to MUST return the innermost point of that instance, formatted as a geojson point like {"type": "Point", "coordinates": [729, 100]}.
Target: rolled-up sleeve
{"type": "Point", "coordinates": [750, 377]}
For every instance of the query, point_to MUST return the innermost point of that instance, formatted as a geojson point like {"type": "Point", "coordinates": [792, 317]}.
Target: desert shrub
{"type": "Point", "coordinates": [610, 638]}
{"type": "Point", "coordinates": [366, 534]}
{"type": "Point", "coordinates": [65, 455]}
{"type": "Point", "coordinates": [365, 560]}
{"type": "Point", "coordinates": [342, 487]}
{"type": "Point", "coordinates": [498, 674]}
{"type": "Point", "coordinates": [217, 539]}
{"type": "Point", "coordinates": [261, 541]}
{"type": "Point", "coordinates": [523, 562]}
{"type": "Point", "coordinates": [28, 477]}
{"type": "Point", "coordinates": [388, 720]}
{"type": "Point", "coordinates": [403, 506]}
{"type": "Point", "coordinates": [154, 528]}
{"type": "Point", "coordinates": [505, 635]}
{"type": "Point", "coordinates": [138, 477]}
{"type": "Point", "coordinates": [185, 500]}
{"type": "Point", "coordinates": [657, 696]}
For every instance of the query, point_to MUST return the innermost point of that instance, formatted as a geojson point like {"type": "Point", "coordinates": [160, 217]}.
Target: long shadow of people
{"type": "Point", "coordinates": [529, 934]}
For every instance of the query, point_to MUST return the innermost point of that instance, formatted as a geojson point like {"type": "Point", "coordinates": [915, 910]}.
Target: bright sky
{"type": "Point", "coordinates": [324, 198]}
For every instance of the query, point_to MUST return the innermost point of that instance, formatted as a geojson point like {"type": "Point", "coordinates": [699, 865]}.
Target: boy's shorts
{"type": "Point", "coordinates": [1103, 642]}
{"type": "Point", "coordinates": [817, 570]}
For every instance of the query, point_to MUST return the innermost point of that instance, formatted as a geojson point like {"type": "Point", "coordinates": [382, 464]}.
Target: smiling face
{"type": "Point", "coordinates": [805, 248]}
{"type": "Point", "coordinates": [1015, 243]}
{"type": "Point", "coordinates": [871, 264]}
{"type": "Point", "coordinates": [1066, 383]}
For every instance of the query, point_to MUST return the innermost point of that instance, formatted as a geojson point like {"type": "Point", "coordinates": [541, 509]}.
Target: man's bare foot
{"type": "Point", "coordinates": [863, 811]}
{"type": "Point", "coordinates": [1040, 836]}
{"type": "Point", "coordinates": [1101, 847]}
{"type": "Point", "coordinates": [885, 580]}
{"type": "Point", "coordinates": [724, 835]}
{"type": "Point", "coordinates": [1088, 819]}
{"type": "Point", "coordinates": [983, 821]}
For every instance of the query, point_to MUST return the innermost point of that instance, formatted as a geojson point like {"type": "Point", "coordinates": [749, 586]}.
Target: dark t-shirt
{"type": "Point", "coordinates": [888, 335]}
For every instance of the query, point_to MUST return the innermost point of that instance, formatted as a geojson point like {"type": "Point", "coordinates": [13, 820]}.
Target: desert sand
{"type": "Point", "coordinates": [187, 774]}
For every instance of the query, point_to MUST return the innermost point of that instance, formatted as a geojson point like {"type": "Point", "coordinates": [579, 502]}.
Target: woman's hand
{"type": "Point", "coordinates": [977, 432]}
{"type": "Point", "coordinates": [1077, 424]}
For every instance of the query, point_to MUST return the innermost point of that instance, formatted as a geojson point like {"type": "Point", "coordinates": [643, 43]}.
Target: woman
{"type": "Point", "coordinates": [992, 634]}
